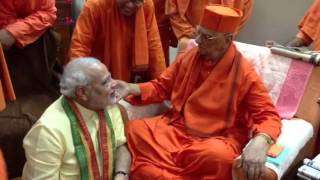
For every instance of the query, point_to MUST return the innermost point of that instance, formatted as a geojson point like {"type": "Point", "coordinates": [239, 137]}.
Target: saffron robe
{"type": "Point", "coordinates": [214, 109]}
{"type": "Point", "coordinates": [310, 26]}
{"type": "Point", "coordinates": [27, 20]}
{"type": "Point", "coordinates": [185, 15]}
{"type": "Point", "coordinates": [6, 88]}
{"type": "Point", "coordinates": [3, 169]}
{"type": "Point", "coordinates": [123, 43]}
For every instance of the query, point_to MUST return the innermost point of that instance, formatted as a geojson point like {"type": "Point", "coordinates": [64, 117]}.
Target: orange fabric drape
{"type": "Point", "coordinates": [162, 151]}
{"type": "Point", "coordinates": [186, 14]}
{"type": "Point", "coordinates": [6, 88]}
{"type": "Point", "coordinates": [310, 26]}
{"type": "Point", "coordinates": [123, 43]}
{"type": "Point", "coordinates": [27, 20]}
{"type": "Point", "coordinates": [215, 104]}
{"type": "Point", "coordinates": [3, 168]}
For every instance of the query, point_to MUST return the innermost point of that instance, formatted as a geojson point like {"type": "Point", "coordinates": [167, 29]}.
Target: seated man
{"type": "Point", "coordinates": [309, 29]}
{"type": "Point", "coordinates": [218, 103]}
{"type": "Point", "coordinates": [81, 134]}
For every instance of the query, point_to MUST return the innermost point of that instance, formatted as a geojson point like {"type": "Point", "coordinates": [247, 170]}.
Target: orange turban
{"type": "Point", "coordinates": [220, 18]}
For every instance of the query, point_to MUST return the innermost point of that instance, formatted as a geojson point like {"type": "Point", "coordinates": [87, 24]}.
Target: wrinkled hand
{"type": "Point", "coordinates": [253, 158]}
{"type": "Point", "coordinates": [296, 42]}
{"type": "Point", "coordinates": [123, 89]}
{"type": "Point", "coordinates": [6, 39]}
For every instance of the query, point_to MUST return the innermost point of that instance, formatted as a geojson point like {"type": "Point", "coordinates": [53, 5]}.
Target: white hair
{"type": "Point", "coordinates": [74, 75]}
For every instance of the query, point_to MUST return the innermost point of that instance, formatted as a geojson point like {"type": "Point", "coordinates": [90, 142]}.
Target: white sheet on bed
{"type": "Point", "coordinates": [295, 133]}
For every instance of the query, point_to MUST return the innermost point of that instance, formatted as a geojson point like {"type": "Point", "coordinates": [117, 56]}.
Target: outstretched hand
{"type": "Point", "coordinates": [296, 42]}
{"type": "Point", "coordinates": [123, 89]}
{"type": "Point", "coordinates": [254, 157]}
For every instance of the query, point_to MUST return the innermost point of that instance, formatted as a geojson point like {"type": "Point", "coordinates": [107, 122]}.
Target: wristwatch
{"type": "Point", "coordinates": [266, 137]}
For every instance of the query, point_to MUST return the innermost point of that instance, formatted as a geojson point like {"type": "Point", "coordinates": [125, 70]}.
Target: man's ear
{"type": "Point", "coordinates": [229, 38]}
{"type": "Point", "coordinates": [81, 93]}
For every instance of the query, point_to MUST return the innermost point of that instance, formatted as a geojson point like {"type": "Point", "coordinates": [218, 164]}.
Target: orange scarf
{"type": "Point", "coordinates": [200, 110]}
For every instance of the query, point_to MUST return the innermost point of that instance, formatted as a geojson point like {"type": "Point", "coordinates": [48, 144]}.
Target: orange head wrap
{"type": "Point", "coordinates": [220, 18]}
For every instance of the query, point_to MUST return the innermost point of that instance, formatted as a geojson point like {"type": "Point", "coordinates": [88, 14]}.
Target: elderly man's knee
{"type": "Point", "coordinates": [135, 127]}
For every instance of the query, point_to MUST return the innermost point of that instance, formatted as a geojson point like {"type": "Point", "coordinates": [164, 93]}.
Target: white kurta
{"type": "Point", "coordinates": [49, 146]}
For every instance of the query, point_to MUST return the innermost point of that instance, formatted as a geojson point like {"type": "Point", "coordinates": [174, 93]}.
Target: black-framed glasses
{"type": "Point", "coordinates": [206, 36]}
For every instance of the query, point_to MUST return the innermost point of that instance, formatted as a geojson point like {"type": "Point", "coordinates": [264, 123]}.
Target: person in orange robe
{"type": "Point", "coordinates": [29, 53]}
{"type": "Point", "coordinates": [309, 29]}
{"type": "Point", "coordinates": [23, 22]}
{"type": "Point", "coordinates": [123, 34]}
{"type": "Point", "coordinates": [218, 103]}
{"type": "Point", "coordinates": [186, 14]}
{"type": "Point", "coordinates": [3, 169]}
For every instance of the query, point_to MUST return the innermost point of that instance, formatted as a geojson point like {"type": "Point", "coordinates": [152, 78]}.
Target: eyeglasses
{"type": "Point", "coordinates": [205, 36]}
{"type": "Point", "coordinates": [210, 37]}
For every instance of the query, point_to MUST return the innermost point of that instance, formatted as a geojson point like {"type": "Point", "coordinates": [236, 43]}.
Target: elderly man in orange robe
{"type": "Point", "coordinates": [186, 14]}
{"type": "Point", "coordinates": [123, 34]}
{"type": "Point", "coordinates": [218, 103]}
{"type": "Point", "coordinates": [309, 29]}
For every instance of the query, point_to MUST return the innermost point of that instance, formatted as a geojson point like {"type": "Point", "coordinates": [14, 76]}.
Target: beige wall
{"type": "Point", "coordinates": [273, 20]}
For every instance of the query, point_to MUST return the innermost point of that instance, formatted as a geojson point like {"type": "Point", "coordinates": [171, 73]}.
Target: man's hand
{"type": "Point", "coordinates": [253, 158]}
{"type": "Point", "coordinates": [6, 39]}
{"type": "Point", "coordinates": [124, 89]}
{"type": "Point", "coordinates": [183, 44]}
{"type": "Point", "coordinates": [296, 42]}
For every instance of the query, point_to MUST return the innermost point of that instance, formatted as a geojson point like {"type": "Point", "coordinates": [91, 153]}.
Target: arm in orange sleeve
{"type": "Point", "coordinates": [156, 57]}
{"type": "Point", "coordinates": [261, 109]}
{"type": "Point", "coordinates": [179, 23]}
{"type": "Point", "coordinates": [85, 30]}
{"type": "Point", "coordinates": [30, 28]}
{"type": "Point", "coordinates": [158, 89]}
{"type": "Point", "coordinates": [246, 8]}
{"type": "Point", "coordinates": [247, 11]}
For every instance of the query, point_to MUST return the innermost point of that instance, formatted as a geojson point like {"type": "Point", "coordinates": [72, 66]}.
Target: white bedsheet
{"type": "Point", "coordinates": [295, 133]}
